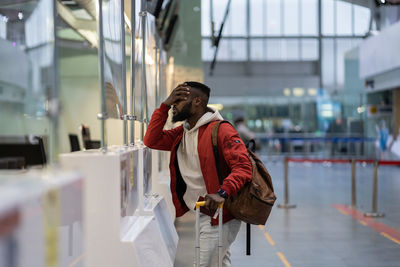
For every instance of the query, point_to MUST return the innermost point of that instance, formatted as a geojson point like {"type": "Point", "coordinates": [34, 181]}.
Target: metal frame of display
{"type": "Point", "coordinates": [53, 112]}
{"type": "Point", "coordinates": [143, 15]}
{"type": "Point", "coordinates": [125, 116]}
{"type": "Point", "coordinates": [103, 116]}
{"type": "Point", "coordinates": [132, 67]}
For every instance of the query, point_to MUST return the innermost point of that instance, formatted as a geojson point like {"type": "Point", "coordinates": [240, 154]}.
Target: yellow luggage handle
{"type": "Point", "coordinates": [203, 203]}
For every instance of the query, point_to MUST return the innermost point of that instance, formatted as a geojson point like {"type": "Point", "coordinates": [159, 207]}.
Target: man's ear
{"type": "Point", "coordinates": [197, 101]}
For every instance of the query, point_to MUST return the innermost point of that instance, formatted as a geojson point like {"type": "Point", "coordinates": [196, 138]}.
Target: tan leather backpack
{"type": "Point", "coordinates": [253, 203]}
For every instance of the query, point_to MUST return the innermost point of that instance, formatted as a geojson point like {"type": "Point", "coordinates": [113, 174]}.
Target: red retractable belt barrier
{"type": "Point", "coordinates": [318, 160]}
{"type": "Point", "coordinates": [353, 162]}
{"type": "Point", "coordinates": [389, 162]}
{"type": "Point", "coordinates": [369, 161]}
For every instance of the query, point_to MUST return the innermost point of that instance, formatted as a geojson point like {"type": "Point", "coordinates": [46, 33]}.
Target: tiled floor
{"type": "Point", "coordinates": [316, 233]}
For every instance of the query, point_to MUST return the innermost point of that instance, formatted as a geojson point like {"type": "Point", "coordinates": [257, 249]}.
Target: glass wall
{"type": "Point", "coordinates": [28, 78]}
{"type": "Point", "coordinates": [287, 30]}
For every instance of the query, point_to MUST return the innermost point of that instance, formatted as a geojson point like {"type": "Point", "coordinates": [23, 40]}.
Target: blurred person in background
{"type": "Point", "coordinates": [383, 135]}
{"type": "Point", "coordinates": [244, 132]}
{"type": "Point", "coordinates": [335, 130]}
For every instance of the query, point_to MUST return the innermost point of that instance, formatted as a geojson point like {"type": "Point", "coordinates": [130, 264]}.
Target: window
{"type": "Point", "coordinates": [205, 18]}
{"type": "Point", "coordinates": [207, 52]}
{"type": "Point", "coordinates": [236, 22]}
{"type": "Point", "coordinates": [309, 49]}
{"type": "Point", "coordinates": [327, 17]}
{"type": "Point", "coordinates": [274, 47]}
{"type": "Point", "coordinates": [291, 17]}
{"type": "Point", "coordinates": [309, 17]}
{"type": "Point", "coordinates": [285, 29]}
{"type": "Point", "coordinates": [257, 20]}
{"type": "Point", "coordinates": [273, 17]}
{"type": "Point", "coordinates": [328, 63]}
{"type": "Point", "coordinates": [238, 49]}
{"type": "Point", "coordinates": [257, 50]}
{"type": "Point", "coordinates": [361, 19]}
{"type": "Point", "coordinates": [290, 49]}
{"type": "Point", "coordinates": [343, 18]}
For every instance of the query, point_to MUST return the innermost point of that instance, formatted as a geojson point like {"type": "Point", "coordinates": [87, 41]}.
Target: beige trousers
{"type": "Point", "coordinates": [209, 241]}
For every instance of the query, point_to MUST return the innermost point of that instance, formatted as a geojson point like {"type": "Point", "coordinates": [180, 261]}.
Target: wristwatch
{"type": "Point", "coordinates": [222, 193]}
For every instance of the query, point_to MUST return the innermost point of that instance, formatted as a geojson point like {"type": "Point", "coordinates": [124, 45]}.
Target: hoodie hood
{"type": "Point", "coordinates": [206, 118]}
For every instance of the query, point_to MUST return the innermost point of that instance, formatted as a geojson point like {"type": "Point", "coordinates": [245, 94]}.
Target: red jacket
{"type": "Point", "coordinates": [235, 163]}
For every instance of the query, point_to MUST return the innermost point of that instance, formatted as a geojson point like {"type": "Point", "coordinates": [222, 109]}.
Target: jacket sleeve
{"type": "Point", "coordinates": [237, 158]}
{"type": "Point", "coordinates": [156, 137]}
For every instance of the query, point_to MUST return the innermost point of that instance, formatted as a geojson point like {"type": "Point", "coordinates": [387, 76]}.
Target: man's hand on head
{"type": "Point", "coordinates": [180, 93]}
{"type": "Point", "coordinates": [213, 201]}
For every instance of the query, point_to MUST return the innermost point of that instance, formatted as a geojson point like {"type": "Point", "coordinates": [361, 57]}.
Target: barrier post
{"type": "Point", "coordinates": [286, 205]}
{"type": "Point", "coordinates": [353, 183]}
{"type": "Point", "coordinates": [374, 212]}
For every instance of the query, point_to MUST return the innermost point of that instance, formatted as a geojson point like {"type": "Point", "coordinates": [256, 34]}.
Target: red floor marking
{"type": "Point", "coordinates": [377, 226]}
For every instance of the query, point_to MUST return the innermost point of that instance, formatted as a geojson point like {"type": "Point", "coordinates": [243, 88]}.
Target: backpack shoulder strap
{"type": "Point", "coordinates": [214, 140]}
{"type": "Point", "coordinates": [214, 132]}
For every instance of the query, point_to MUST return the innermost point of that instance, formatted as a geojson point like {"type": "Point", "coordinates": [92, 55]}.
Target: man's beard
{"type": "Point", "coordinates": [183, 114]}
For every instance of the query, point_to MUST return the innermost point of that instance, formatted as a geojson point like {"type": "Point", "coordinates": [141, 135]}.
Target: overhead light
{"type": "Point", "coordinates": [327, 113]}
{"type": "Point", "coordinates": [216, 106]}
{"type": "Point", "coordinates": [383, 1]}
{"type": "Point", "coordinates": [287, 92]}
{"type": "Point", "coordinates": [327, 106]}
{"type": "Point", "coordinates": [20, 15]}
{"type": "Point", "coordinates": [312, 91]}
{"type": "Point", "coordinates": [360, 109]}
{"type": "Point", "coordinates": [298, 92]}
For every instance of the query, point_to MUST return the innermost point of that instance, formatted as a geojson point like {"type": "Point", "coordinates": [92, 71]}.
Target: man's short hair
{"type": "Point", "coordinates": [202, 87]}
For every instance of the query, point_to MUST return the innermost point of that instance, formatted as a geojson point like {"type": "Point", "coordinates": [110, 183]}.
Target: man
{"type": "Point", "coordinates": [192, 163]}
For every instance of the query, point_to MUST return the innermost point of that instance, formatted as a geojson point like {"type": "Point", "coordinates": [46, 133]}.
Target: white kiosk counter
{"type": "Point", "coordinates": [125, 225]}
{"type": "Point", "coordinates": [40, 218]}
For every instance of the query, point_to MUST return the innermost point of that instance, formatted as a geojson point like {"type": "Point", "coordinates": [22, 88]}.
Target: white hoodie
{"type": "Point", "coordinates": [189, 162]}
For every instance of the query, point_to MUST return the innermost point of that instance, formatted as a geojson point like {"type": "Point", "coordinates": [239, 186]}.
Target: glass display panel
{"type": "Point", "coordinates": [163, 68]}
{"type": "Point", "coordinates": [138, 111]}
{"type": "Point", "coordinates": [27, 77]}
{"type": "Point", "coordinates": [151, 65]}
{"type": "Point", "coordinates": [113, 57]}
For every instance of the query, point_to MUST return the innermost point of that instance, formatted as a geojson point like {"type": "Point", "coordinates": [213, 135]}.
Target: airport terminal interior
{"type": "Point", "coordinates": [314, 83]}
